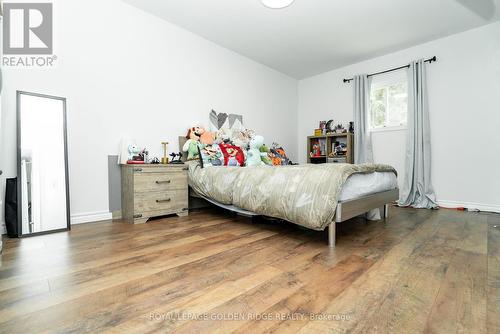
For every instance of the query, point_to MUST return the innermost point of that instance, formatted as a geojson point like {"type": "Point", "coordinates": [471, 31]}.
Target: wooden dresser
{"type": "Point", "coordinates": [153, 190]}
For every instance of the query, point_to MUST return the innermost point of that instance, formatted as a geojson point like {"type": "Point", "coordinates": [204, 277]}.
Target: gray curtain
{"type": "Point", "coordinates": [417, 190]}
{"type": "Point", "coordinates": [363, 152]}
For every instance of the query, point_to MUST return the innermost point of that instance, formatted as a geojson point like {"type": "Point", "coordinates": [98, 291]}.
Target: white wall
{"type": "Point", "coordinates": [127, 73]}
{"type": "Point", "coordinates": [464, 88]}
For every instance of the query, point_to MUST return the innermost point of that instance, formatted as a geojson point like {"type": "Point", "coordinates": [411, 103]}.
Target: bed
{"type": "Point", "coordinates": [313, 196]}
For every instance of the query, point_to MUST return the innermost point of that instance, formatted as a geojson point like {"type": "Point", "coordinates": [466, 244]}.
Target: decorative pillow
{"type": "Point", "coordinates": [210, 155]}
{"type": "Point", "coordinates": [223, 120]}
{"type": "Point", "coordinates": [233, 155]}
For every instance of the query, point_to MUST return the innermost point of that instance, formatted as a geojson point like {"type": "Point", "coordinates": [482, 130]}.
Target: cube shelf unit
{"type": "Point", "coordinates": [331, 138]}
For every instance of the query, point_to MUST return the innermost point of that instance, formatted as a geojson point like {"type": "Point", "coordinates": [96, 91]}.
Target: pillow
{"type": "Point", "coordinates": [223, 120]}
{"type": "Point", "coordinates": [233, 155]}
{"type": "Point", "coordinates": [210, 155]}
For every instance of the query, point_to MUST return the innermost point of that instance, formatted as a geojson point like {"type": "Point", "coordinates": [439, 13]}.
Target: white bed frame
{"type": "Point", "coordinates": [345, 209]}
{"type": "Point", "coordinates": [361, 205]}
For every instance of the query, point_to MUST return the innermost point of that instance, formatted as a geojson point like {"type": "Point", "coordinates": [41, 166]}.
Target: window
{"type": "Point", "coordinates": [389, 102]}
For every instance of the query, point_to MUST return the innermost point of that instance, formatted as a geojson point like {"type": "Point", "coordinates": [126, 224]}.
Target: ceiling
{"type": "Point", "coordinates": [315, 36]}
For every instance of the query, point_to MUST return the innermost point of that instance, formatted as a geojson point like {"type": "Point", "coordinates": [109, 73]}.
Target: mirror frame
{"type": "Point", "coordinates": [66, 169]}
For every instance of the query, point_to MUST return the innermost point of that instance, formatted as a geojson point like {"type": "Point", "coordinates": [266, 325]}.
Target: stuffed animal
{"type": "Point", "coordinates": [254, 154]}
{"type": "Point", "coordinates": [206, 137]}
{"type": "Point", "coordinates": [278, 155]}
{"type": "Point", "coordinates": [191, 145]}
{"type": "Point", "coordinates": [133, 151]}
{"type": "Point", "coordinates": [264, 155]}
{"type": "Point", "coordinates": [198, 133]}
{"type": "Point", "coordinates": [233, 155]}
{"type": "Point", "coordinates": [242, 138]}
{"type": "Point", "coordinates": [223, 135]}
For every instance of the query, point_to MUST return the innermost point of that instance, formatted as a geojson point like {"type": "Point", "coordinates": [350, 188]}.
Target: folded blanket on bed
{"type": "Point", "coordinates": [305, 195]}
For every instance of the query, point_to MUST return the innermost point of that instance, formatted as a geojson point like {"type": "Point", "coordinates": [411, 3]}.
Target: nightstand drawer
{"type": "Point", "coordinates": [155, 169]}
{"type": "Point", "coordinates": [154, 190]}
{"type": "Point", "coordinates": [168, 201]}
{"type": "Point", "coordinates": [148, 182]}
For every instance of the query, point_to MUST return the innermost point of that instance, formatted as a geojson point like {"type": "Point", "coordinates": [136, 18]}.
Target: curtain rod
{"type": "Point", "coordinates": [430, 60]}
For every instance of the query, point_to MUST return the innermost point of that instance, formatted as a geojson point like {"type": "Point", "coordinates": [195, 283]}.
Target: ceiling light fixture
{"type": "Point", "coordinates": [277, 4]}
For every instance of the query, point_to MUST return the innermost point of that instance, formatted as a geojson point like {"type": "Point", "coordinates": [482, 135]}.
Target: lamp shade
{"type": "Point", "coordinates": [277, 4]}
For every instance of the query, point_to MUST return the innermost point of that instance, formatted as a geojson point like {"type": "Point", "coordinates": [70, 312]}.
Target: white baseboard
{"type": "Point", "coordinates": [80, 218]}
{"type": "Point", "coordinates": [469, 205]}
{"type": "Point", "coordinates": [90, 217]}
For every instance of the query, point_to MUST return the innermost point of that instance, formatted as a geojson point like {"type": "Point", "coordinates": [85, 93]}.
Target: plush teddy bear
{"type": "Point", "coordinates": [254, 154]}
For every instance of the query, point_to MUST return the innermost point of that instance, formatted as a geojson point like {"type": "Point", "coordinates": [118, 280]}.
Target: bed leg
{"type": "Point", "coordinates": [331, 235]}
{"type": "Point", "coordinates": [386, 211]}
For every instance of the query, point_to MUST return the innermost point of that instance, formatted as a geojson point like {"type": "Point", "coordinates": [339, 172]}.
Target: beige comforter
{"type": "Point", "coordinates": [306, 195]}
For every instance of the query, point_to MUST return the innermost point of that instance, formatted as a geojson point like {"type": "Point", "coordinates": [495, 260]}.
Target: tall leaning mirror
{"type": "Point", "coordinates": [43, 189]}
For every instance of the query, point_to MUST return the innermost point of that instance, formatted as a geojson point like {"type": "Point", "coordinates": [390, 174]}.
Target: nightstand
{"type": "Point", "coordinates": [153, 190]}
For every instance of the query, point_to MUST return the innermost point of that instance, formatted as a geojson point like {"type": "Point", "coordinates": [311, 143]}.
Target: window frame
{"type": "Point", "coordinates": [384, 81]}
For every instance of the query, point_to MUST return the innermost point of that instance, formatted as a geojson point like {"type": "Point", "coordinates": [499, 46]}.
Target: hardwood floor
{"type": "Point", "coordinates": [419, 272]}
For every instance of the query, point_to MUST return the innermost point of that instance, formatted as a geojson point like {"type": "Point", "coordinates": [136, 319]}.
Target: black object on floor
{"type": "Point", "coordinates": [11, 208]}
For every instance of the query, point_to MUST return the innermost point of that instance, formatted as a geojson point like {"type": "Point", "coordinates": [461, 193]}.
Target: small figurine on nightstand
{"type": "Point", "coordinates": [176, 158]}
{"type": "Point", "coordinates": [145, 156]}
{"type": "Point", "coordinates": [135, 155]}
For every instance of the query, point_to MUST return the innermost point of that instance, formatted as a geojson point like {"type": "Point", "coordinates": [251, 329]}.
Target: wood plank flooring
{"type": "Point", "coordinates": [418, 272]}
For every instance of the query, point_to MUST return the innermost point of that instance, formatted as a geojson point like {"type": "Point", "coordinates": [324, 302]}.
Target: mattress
{"type": "Point", "coordinates": [305, 195]}
{"type": "Point", "coordinates": [359, 185]}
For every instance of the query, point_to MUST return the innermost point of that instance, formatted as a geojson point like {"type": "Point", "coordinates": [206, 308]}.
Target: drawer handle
{"type": "Point", "coordinates": [137, 169]}
{"type": "Point", "coordinates": [160, 182]}
{"type": "Point", "coordinates": [163, 200]}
